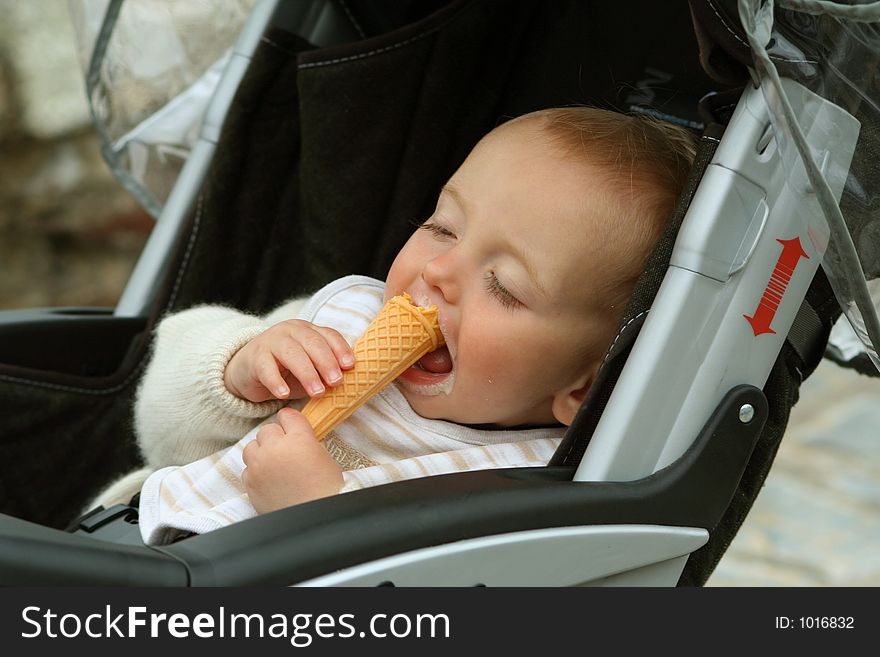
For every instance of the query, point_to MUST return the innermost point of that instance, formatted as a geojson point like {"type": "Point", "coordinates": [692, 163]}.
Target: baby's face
{"type": "Point", "coordinates": [508, 258]}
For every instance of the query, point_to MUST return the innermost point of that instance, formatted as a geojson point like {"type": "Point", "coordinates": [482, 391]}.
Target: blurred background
{"type": "Point", "coordinates": [70, 234]}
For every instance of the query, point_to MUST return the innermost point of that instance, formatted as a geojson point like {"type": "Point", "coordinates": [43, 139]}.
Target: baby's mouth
{"type": "Point", "coordinates": [432, 375]}
{"type": "Point", "coordinates": [438, 361]}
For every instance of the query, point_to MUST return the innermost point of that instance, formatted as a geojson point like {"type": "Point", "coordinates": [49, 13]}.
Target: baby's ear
{"type": "Point", "coordinates": [567, 401]}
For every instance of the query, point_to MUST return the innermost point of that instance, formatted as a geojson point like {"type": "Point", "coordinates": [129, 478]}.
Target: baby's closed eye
{"type": "Point", "coordinates": [437, 229]}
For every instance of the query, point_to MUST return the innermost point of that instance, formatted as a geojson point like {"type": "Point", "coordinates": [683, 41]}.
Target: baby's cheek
{"type": "Point", "coordinates": [487, 382]}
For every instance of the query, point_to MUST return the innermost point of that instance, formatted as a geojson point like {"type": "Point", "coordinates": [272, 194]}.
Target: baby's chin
{"type": "Point", "coordinates": [448, 409]}
{"type": "Point", "coordinates": [430, 399]}
{"type": "Point", "coordinates": [421, 383]}
{"type": "Point", "coordinates": [433, 398]}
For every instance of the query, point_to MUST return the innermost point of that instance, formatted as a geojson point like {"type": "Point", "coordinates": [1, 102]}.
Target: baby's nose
{"type": "Point", "coordinates": [440, 277]}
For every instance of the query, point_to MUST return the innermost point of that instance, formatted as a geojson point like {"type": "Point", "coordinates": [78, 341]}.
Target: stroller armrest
{"type": "Point", "coordinates": [306, 541]}
{"type": "Point", "coordinates": [32, 555]}
{"type": "Point", "coordinates": [77, 341]}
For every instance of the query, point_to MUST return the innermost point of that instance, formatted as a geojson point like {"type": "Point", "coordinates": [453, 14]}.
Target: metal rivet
{"type": "Point", "coordinates": [746, 413]}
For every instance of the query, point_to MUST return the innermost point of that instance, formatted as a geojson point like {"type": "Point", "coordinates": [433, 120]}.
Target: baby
{"type": "Point", "coordinates": [530, 256]}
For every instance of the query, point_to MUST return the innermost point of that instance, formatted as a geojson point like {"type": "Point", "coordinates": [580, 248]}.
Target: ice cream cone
{"type": "Point", "coordinates": [398, 337]}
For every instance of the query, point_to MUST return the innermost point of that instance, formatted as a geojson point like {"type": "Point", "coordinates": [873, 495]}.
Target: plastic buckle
{"type": "Point", "coordinates": [100, 517]}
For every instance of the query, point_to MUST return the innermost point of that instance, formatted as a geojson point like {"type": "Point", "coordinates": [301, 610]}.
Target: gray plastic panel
{"type": "Point", "coordinates": [566, 556]}
{"type": "Point", "coordinates": [664, 573]}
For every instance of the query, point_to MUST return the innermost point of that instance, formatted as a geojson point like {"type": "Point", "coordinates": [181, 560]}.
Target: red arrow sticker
{"type": "Point", "coordinates": [792, 252]}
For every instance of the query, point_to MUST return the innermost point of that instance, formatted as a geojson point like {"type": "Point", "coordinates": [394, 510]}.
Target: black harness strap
{"type": "Point", "coordinates": [808, 334]}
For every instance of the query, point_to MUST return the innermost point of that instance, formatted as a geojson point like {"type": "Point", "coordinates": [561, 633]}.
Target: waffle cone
{"type": "Point", "coordinates": [398, 337]}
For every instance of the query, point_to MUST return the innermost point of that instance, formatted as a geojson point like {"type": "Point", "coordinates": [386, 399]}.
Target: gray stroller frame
{"type": "Point", "coordinates": [662, 464]}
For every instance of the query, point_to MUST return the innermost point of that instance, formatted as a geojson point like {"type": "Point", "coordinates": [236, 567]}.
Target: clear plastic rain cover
{"type": "Point", "coordinates": [833, 50]}
{"type": "Point", "coordinates": [151, 67]}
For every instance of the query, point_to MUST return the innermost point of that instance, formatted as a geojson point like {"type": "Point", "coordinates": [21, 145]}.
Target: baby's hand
{"type": "Point", "coordinates": [287, 465]}
{"type": "Point", "coordinates": [290, 360]}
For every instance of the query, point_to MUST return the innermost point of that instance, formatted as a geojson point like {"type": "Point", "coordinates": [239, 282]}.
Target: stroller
{"type": "Point", "coordinates": [337, 118]}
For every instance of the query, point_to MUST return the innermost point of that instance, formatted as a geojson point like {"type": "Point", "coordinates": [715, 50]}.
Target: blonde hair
{"type": "Point", "coordinates": [641, 165]}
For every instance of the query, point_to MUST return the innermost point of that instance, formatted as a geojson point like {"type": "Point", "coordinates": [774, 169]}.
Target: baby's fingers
{"type": "Point", "coordinates": [310, 359]}
{"type": "Point", "coordinates": [269, 375]}
{"type": "Point", "coordinates": [296, 361]}
{"type": "Point", "coordinates": [341, 349]}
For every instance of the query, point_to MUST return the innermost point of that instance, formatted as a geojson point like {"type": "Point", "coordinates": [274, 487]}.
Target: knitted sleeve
{"type": "Point", "coordinates": [183, 411]}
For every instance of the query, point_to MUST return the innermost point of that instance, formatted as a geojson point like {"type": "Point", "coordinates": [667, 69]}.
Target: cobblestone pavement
{"type": "Point", "coordinates": [816, 522]}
